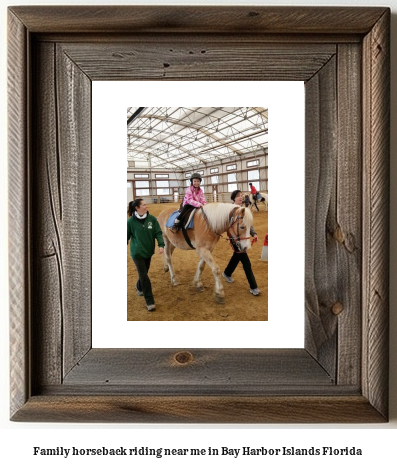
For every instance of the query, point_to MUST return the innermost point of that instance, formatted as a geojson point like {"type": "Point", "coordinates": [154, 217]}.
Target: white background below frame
{"type": "Point", "coordinates": [285, 327]}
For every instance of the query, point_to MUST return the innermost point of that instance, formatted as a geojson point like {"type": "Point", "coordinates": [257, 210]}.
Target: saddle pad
{"type": "Point", "coordinates": [173, 216]}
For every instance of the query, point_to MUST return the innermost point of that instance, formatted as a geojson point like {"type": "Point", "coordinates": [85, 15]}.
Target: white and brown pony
{"type": "Point", "coordinates": [208, 226]}
{"type": "Point", "coordinates": [263, 199]}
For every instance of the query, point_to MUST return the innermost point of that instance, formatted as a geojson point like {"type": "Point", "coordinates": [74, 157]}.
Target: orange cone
{"type": "Point", "coordinates": [265, 249]}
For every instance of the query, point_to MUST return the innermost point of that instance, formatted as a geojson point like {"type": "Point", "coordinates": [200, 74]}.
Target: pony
{"type": "Point", "coordinates": [263, 198]}
{"type": "Point", "coordinates": [209, 223]}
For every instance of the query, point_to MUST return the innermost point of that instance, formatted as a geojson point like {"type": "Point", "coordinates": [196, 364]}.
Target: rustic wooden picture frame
{"type": "Point", "coordinates": [342, 54]}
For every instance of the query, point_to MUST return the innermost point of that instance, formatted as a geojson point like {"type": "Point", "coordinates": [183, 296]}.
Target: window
{"type": "Point", "coordinates": [163, 191]}
{"type": "Point", "coordinates": [142, 184]}
{"type": "Point", "coordinates": [253, 175]}
{"type": "Point", "coordinates": [187, 175]}
{"type": "Point", "coordinates": [141, 175]}
{"type": "Point", "coordinates": [231, 167]}
{"type": "Point", "coordinates": [144, 192]}
{"type": "Point", "coordinates": [215, 179]}
{"type": "Point", "coordinates": [231, 187]}
{"type": "Point", "coordinates": [200, 172]}
{"type": "Point", "coordinates": [163, 187]}
{"type": "Point", "coordinates": [232, 177]}
{"type": "Point", "coordinates": [252, 163]}
{"type": "Point", "coordinates": [129, 184]}
{"type": "Point", "coordinates": [214, 170]}
{"type": "Point", "coordinates": [161, 175]}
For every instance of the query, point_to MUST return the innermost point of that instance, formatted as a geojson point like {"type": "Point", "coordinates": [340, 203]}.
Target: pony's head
{"type": "Point", "coordinates": [239, 231]}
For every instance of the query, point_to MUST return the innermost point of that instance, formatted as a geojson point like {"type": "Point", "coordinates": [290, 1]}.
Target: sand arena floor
{"type": "Point", "coordinates": [182, 302]}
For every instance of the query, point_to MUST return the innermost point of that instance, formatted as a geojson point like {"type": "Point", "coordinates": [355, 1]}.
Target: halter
{"type": "Point", "coordinates": [234, 236]}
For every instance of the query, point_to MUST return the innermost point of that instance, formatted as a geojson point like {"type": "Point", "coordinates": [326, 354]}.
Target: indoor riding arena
{"type": "Point", "coordinates": [228, 148]}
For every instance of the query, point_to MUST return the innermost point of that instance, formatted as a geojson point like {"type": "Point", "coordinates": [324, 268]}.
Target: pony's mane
{"type": "Point", "coordinates": [248, 218]}
{"type": "Point", "coordinates": [217, 215]}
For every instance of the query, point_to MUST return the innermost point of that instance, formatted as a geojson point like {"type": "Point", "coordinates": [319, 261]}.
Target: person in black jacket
{"type": "Point", "coordinates": [237, 198]}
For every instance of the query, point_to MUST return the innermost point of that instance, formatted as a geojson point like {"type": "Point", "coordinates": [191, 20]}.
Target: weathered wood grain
{"type": "Point", "coordinates": [199, 409]}
{"type": "Point", "coordinates": [338, 377]}
{"type": "Point", "coordinates": [203, 369]}
{"type": "Point", "coordinates": [19, 223]}
{"type": "Point", "coordinates": [221, 59]}
{"type": "Point", "coordinates": [376, 106]}
{"type": "Point", "coordinates": [62, 208]}
{"type": "Point", "coordinates": [195, 39]}
{"type": "Point", "coordinates": [74, 142]}
{"type": "Point", "coordinates": [321, 277]}
{"type": "Point", "coordinates": [199, 19]}
{"type": "Point", "coordinates": [47, 285]}
{"type": "Point", "coordinates": [346, 229]}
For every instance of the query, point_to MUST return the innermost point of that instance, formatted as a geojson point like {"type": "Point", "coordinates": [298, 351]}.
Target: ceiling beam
{"type": "Point", "coordinates": [135, 115]}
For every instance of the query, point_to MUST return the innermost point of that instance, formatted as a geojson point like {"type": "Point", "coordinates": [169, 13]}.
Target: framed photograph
{"type": "Point", "coordinates": [342, 56]}
{"type": "Point", "coordinates": [184, 139]}
{"type": "Point", "coordinates": [183, 304]}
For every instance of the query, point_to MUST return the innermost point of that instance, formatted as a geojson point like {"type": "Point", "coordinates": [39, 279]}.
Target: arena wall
{"type": "Point", "coordinates": [159, 185]}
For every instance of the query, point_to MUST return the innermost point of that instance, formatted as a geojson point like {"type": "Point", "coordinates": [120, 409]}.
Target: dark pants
{"type": "Point", "coordinates": [244, 259]}
{"type": "Point", "coordinates": [254, 197]}
{"type": "Point", "coordinates": [143, 283]}
{"type": "Point", "coordinates": [185, 209]}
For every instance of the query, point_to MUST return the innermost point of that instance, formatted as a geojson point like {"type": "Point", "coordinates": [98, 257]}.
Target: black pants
{"type": "Point", "coordinates": [143, 283]}
{"type": "Point", "coordinates": [254, 198]}
{"type": "Point", "coordinates": [184, 210]}
{"type": "Point", "coordinates": [244, 259]}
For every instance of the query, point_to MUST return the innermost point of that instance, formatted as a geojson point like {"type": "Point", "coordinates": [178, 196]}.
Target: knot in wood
{"type": "Point", "coordinates": [183, 358]}
{"type": "Point", "coordinates": [338, 235]}
{"type": "Point", "coordinates": [337, 308]}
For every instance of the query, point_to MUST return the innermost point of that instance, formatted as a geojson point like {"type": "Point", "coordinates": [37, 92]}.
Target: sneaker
{"type": "Point", "coordinates": [151, 307]}
{"type": "Point", "coordinates": [255, 291]}
{"type": "Point", "coordinates": [229, 279]}
{"type": "Point", "coordinates": [139, 293]}
{"type": "Point", "coordinates": [175, 227]}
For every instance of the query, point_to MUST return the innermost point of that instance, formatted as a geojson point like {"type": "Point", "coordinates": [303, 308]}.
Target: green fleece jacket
{"type": "Point", "coordinates": [143, 236]}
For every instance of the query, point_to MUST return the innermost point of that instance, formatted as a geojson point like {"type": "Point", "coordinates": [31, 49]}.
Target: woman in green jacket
{"type": "Point", "coordinates": [142, 230]}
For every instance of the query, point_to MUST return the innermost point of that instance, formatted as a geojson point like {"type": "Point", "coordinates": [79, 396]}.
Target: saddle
{"type": "Point", "coordinates": [171, 220]}
{"type": "Point", "coordinates": [186, 222]}
{"type": "Point", "coordinates": [185, 215]}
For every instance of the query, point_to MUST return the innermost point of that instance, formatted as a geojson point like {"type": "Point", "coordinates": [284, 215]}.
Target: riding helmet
{"type": "Point", "coordinates": [195, 175]}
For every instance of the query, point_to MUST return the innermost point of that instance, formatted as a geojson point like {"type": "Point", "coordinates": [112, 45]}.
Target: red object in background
{"type": "Point", "coordinates": [264, 255]}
